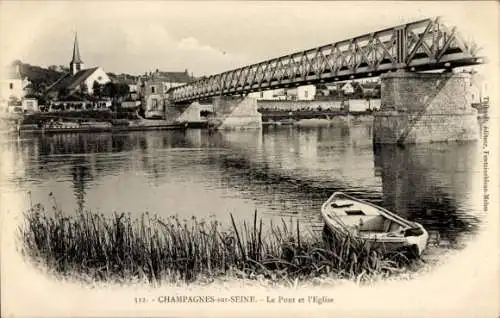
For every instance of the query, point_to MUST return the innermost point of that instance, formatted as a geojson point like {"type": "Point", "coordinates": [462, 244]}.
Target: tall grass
{"type": "Point", "coordinates": [158, 250]}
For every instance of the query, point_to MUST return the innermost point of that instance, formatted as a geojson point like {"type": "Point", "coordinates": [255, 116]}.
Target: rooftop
{"type": "Point", "coordinates": [71, 82]}
{"type": "Point", "coordinates": [76, 52]}
{"type": "Point", "coordinates": [370, 85]}
{"type": "Point", "coordinates": [122, 78]}
{"type": "Point", "coordinates": [173, 77]}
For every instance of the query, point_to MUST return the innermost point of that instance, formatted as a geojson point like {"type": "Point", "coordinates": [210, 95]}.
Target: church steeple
{"type": "Point", "coordinates": [76, 63]}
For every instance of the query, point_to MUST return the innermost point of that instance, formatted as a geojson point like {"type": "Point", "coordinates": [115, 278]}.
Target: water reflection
{"type": "Point", "coordinates": [81, 174]}
{"type": "Point", "coordinates": [432, 184]}
{"type": "Point", "coordinates": [280, 171]}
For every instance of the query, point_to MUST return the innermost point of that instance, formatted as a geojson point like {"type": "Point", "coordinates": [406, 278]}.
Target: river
{"type": "Point", "coordinates": [282, 172]}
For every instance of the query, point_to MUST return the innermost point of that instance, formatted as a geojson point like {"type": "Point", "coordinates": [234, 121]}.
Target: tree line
{"type": "Point", "coordinates": [113, 91]}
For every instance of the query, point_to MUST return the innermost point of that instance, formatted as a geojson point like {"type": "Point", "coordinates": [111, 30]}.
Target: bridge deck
{"type": "Point", "coordinates": [422, 45]}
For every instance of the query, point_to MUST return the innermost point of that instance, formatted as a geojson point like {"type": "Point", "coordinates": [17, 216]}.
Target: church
{"type": "Point", "coordinates": [78, 78]}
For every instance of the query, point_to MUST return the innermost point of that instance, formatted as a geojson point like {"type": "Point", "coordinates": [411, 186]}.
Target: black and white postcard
{"type": "Point", "coordinates": [249, 158]}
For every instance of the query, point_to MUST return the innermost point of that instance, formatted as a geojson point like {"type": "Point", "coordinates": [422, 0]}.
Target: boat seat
{"type": "Point", "coordinates": [391, 226]}
{"type": "Point", "coordinates": [372, 224]}
{"type": "Point", "coordinates": [394, 227]}
{"type": "Point", "coordinates": [387, 225]}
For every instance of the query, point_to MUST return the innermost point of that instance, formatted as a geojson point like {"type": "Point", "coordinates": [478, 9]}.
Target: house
{"type": "Point", "coordinates": [347, 88]}
{"type": "Point", "coordinates": [13, 89]}
{"type": "Point", "coordinates": [78, 78]}
{"type": "Point", "coordinates": [269, 94]}
{"type": "Point", "coordinates": [154, 97]}
{"type": "Point", "coordinates": [132, 86]}
{"type": "Point", "coordinates": [328, 91]}
{"type": "Point", "coordinates": [12, 85]}
{"type": "Point", "coordinates": [297, 93]}
{"type": "Point", "coordinates": [174, 79]}
{"type": "Point", "coordinates": [370, 89]}
{"type": "Point", "coordinates": [275, 94]}
{"type": "Point", "coordinates": [332, 88]}
{"type": "Point", "coordinates": [153, 89]}
{"type": "Point", "coordinates": [322, 90]}
{"type": "Point", "coordinates": [29, 105]}
{"type": "Point", "coordinates": [306, 92]}
{"type": "Point", "coordinates": [168, 79]}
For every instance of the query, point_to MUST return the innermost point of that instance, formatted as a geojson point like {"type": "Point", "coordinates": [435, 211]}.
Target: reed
{"type": "Point", "coordinates": [158, 250]}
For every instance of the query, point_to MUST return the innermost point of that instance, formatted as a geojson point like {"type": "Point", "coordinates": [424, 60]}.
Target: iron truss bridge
{"type": "Point", "coordinates": [417, 46]}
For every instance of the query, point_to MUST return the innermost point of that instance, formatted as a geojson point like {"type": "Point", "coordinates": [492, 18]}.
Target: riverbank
{"type": "Point", "coordinates": [111, 128]}
{"type": "Point", "coordinates": [304, 119]}
{"type": "Point", "coordinates": [93, 248]}
{"type": "Point", "coordinates": [93, 121]}
{"type": "Point", "coordinates": [96, 127]}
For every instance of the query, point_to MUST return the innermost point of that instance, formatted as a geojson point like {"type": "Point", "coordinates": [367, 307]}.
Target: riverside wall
{"type": "Point", "coordinates": [289, 105]}
{"type": "Point", "coordinates": [182, 113]}
{"type": "Point", "coordinates": [235, 113]}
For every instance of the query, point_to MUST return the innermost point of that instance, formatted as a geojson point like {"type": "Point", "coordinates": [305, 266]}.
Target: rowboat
{"type": "Point", "coordinates": [373, 224]}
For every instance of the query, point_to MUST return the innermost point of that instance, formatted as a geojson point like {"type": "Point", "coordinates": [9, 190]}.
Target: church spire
{"type": "Point", "coordinates": [76, 63]}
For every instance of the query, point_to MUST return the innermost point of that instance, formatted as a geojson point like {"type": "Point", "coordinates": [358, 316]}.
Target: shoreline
{"type": "Point", "coordinates": [320, 119]}
{"type": "Point", "coordinates": [311, 121]}
{"type": "Point", "coordinates": [89, 247]}
{"type": "Point", "coordinates": [117, 128]}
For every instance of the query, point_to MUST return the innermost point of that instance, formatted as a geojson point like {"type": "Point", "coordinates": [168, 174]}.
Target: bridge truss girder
{"type": "Point", "coordinates": [422, 45]}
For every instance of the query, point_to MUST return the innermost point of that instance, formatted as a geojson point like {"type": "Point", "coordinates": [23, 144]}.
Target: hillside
{"type": "Point", "coordinates": [39, 77]}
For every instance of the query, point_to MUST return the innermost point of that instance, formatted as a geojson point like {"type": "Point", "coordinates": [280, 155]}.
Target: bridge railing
{"type": "Point", "coordinates": [420, 45]}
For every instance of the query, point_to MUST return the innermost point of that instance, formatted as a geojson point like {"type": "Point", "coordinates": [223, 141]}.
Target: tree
{"type": "Point", "coordinates": [40, 99]}
{"type": "Point", "coordinates": [109, 90]}
{"type": "Point", "coordinates": [63, 92]}
{"type": "Point", "coordinates": [358, 90]}
{"type": "Point", "coordinates": [63, 68]}
{"type": "Point", "coordinates": [123, 90]}
{"type": "Point", "coordinates": [97, 89]}
{"type": "Point", "coordinates": [84, 88]}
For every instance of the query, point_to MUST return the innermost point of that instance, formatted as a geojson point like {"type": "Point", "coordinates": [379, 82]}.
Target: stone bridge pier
{"type": "Point", "coordinates": [235, 112]}
{"type": "Point", "coordinates": [425, 107]}
{"type": "Point", "coordinates": [183, 113]}
{"type": "Point", "coordinates": [230, 112]}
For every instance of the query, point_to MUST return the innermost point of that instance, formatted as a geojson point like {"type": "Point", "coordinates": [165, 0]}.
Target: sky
{"type": "Point", "coordinates": [210, 37]}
